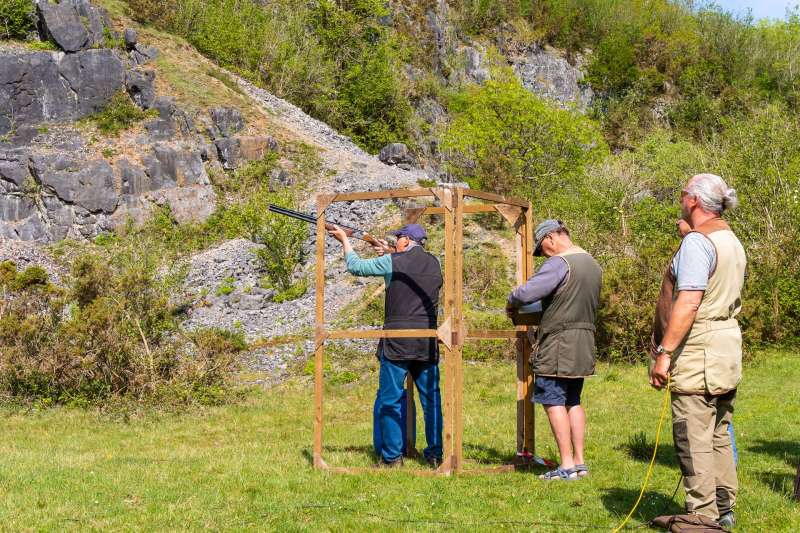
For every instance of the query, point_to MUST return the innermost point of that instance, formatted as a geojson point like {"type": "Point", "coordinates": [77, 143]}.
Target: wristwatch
{"type": "Point", "coordinates": [663, 351]}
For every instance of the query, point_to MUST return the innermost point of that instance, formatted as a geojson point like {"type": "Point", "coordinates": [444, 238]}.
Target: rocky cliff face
{"type": "Point", "coordinates": [54, 182]}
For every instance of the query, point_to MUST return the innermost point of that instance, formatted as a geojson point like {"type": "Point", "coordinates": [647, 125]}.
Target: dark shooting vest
{"type": "Point", "coordinates": [566, 335]}
{"type": "Point", "coordinates": [412, 300]}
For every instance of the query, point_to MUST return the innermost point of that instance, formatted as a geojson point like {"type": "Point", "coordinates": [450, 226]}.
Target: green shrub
{"type": "Point", "coordinates": [16, 19]}
{"type": "Point", "coordinates": [505, 139]}
{"type": "Point", "coordinates": [293, 292]}
{"type": "Point", "coordinates": [112, 333]}
{"type": "Point", "coordinates": [120, 114]}
{"type": "Point", "coordinates": [283, 252]}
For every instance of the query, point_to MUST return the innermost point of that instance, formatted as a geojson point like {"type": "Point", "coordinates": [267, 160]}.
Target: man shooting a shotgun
{"type": "Point", "coordinates": [413, 279]}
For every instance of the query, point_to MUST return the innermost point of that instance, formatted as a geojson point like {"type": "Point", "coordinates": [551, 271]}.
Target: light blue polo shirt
{"type": "Point", "coordinates": [694, 262]}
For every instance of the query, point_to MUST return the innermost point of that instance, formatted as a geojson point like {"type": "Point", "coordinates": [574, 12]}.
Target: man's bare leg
{"type": "Point", "coordinates": [577, 426]}
{"type": "Point", "coordinates": [560, 424]}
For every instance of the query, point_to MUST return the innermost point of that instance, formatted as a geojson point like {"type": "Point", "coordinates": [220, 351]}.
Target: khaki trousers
{"type": "Point", "coordinates": [703, 445]}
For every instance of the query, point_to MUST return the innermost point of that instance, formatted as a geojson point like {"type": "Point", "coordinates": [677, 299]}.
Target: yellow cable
{"type": "Point", "coordinates": [652, 460]}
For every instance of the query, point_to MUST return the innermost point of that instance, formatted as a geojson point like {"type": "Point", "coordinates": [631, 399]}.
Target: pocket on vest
{"type": "Point", "coordinates": [723, 360]}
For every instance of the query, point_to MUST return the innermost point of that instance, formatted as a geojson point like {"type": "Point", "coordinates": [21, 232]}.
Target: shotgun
{"type": "Point", "coordinates": [349, 230]}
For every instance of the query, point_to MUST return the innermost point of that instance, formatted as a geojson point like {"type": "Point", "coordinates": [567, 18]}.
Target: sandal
{"type": "Point", "coordinates": [582, 470]}
{"type": "Point", "coordinates": [560, 474]}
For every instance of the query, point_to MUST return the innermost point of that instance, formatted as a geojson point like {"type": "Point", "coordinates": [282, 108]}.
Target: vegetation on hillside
{"type": "Point", "coordinates": [16, 19]}
{"type": "Point", "coordinates": [111, 333]}
{"type": "Point", "coordinates": [334, 59]}
{"type": "Point", "coordinates": [679, 90]}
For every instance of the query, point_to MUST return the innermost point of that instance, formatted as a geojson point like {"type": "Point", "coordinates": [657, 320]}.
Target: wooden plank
{"type": "Point", "coordinates": [323, 201]}
{"type": "Point", "coordinates": [530, 412]}
{"type": "Point", "coordinates": [458, 325]}
{"type": "Point", "coordinates": [510, 212]}
{"type": "Point", "coordinates": [411, 419]}
{"type": "Point", "coordinates": [445, 333]}
{"type": "Point", "coordinates": [381, 333]}
{"type": "Point", "coordinates": [382, 195]}
{"type": "Point", "coordinates": [494, 334]}
{"type": "Point", "coordinates": [319, 322]}
{"type": "Point", "coordinates": [492, 197]}
{"type": "Point", "coordinates": [447, 463]}
{"type": "Point", "coordinates": [412, 214]}
{"type": "Point", "coordinates": [479, 208]}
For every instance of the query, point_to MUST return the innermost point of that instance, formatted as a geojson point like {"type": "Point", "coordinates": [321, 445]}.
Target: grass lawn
{"type": "Point", "coordinates": [246, 467]}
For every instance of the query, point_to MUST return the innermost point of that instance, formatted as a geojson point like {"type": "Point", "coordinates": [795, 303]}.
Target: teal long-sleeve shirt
{"type": "Point", "coordinates": [379, 266]}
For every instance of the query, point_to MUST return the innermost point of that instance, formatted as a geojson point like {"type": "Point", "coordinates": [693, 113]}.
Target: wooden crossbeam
{"type": "Point", "coordinates": [382, 195]}
{"type": "Point", "coordinates": [492, 197]}
{"type": "Point", "coordinates": [381, 333]}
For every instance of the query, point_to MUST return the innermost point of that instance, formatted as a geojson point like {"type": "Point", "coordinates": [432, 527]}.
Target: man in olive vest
{"type": "Point", "coordinates": [413, 279]}
{"type": "Point", "coordinates": [568, 286]}
{"type": "Point", "coordinates": [697, 346]}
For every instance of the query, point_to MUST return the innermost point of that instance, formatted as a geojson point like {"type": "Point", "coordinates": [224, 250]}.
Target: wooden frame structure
{"type": "Point", "coordinates": [452, 333]}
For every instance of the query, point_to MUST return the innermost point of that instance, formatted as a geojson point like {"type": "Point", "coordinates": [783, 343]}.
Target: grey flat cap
{"type": "Point", "coordinates": [543, 230]}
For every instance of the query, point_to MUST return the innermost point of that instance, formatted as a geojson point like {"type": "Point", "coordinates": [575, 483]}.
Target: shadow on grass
{"type": "Point", "coordinates": [781, 449]}
{"type": "Point", "coordinates": [366, 451]}
{"type": "Point", "coordinates": [780, 482]}
{"type": "Point", "coordinates": [619, 502]}
{"type": "Point", "coordinates": [664, 457]}
{"type": "Point", "coordinates": [487, 455]}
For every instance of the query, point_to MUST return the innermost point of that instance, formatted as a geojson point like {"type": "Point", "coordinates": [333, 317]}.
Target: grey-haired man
{"type": "Point", "coordinates": [568, 287]}
{"type": "Point", "coordinates": [697, 346]}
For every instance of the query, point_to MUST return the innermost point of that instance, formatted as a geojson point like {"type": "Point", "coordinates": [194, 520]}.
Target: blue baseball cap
{"type": "Point", "coordinates": [415, 232]}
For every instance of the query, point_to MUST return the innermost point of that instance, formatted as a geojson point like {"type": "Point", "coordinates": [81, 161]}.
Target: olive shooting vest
{"type": "Point", "coordinates": [565, 337]}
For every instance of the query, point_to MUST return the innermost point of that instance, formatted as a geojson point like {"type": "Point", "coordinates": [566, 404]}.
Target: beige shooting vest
{"type": "Point", "coordinates": [709, 360]}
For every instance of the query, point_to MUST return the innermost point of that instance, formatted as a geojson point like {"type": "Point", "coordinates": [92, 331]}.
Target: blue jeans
{"type": "Point", "coordinates": [390, 395]}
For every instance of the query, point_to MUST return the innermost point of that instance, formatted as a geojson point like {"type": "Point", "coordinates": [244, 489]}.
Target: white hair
{"type": "Point", "coordinates": [712, 192]}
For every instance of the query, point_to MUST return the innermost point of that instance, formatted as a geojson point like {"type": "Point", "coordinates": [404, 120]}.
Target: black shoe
{"type": "Point", "coordinates": [397, 463]}
{"type": "Point", "coordinates": [434, 462]}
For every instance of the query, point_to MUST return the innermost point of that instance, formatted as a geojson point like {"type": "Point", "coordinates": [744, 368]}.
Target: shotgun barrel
{"type": "Point", "coordinates": [311, 218]}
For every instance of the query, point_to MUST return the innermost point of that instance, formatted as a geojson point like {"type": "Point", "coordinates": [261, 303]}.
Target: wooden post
{"type": "Point", "coordinates": [519, 238]}
{"type": "Point", "coordinates": [446, 198]}
{"type": "Point", "coordinates": [529, 411]}
{"type": "Point", "coordinates": [319, 334]}
{"type": "Point", "coordinates": [797, 485]}
{"type": "Point", "coordinates": [411, 419]}
{"type": "Point", "coordinates": [458, 328]}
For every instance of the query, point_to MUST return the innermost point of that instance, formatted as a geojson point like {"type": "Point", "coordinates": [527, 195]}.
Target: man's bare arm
{"type": "Point", "coordinates": [684, 311]}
